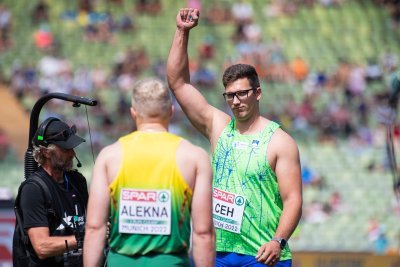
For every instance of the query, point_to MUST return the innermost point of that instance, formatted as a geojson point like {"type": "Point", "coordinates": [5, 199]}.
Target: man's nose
{"type": "Point", "coordinates": [235, 99]}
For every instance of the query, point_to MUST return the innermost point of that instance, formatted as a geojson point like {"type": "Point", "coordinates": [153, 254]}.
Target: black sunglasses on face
{"type": "Point", "coordinates": [241, 95]}
{"type": "Point", "coordinates": [63, 135]}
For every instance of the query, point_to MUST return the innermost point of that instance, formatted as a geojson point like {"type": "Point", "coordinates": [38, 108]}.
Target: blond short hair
{"type": "Point", "coordinates": [151, 98]}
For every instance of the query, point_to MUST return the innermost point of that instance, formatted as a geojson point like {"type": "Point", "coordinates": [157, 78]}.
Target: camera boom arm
{"type": "Point", "coordinates": [30, 165]}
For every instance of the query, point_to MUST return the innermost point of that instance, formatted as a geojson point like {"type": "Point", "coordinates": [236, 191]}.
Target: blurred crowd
{"type": "Point", "coordinates": [347, 114]}
{"type": "Point", "coordinates": [335, 104]}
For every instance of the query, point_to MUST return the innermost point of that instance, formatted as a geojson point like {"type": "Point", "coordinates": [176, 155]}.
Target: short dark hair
{"type": "Point", "coordinates": [239, 71]}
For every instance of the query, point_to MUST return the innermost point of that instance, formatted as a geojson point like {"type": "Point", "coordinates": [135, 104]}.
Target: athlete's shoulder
{"type": "Point", "coordinates": [191, 150]}
{"type": "Point", "coordinates": [283, 141]}
{"type": "Point", "coordinates": [110, 151]}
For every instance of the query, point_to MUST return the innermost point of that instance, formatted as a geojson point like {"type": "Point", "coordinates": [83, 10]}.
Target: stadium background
{"type": "Point", "coordinates": [326, 69]}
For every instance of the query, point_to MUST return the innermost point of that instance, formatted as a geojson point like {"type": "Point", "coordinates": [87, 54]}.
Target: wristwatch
{"type": "Point", "coordinates": [282, 242]}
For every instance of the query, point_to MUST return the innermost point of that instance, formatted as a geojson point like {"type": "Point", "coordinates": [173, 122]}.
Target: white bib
{"type": "Point", "coordinates": [145, 211]}
{"type": "Point", "coordinates": [228, 210]}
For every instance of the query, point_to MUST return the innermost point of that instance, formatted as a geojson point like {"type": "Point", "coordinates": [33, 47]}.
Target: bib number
{"type": "Point", "coordinates": [145, 211]}
{"type": "Point", "coordinates": [228, 210]}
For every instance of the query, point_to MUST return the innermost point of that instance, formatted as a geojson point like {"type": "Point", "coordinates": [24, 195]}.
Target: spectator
{"type": "Point", "coordinates": [388, 60]}
{"type": "Point", "coordinates": [373, 71]}
{"type": "Point", "coordinates": [242, 12]}
{"type": "Point", "coordinates": [310, 177]}
{"type": "Point", "coordinates": [377, 236]}
{"type": "Point", "coordinates": [218, 13]}
{"type": "Point", "coordinates": [299, 68]}
{"type": "Point", "coordinates": [159, 69]}
{"type": "Point", "coordinates": [44, 38]}
{"type": "Point", "coordinates": [126, 24]}
{"type": "Point", "coordinates": [356, 82]}
{"type": "Point", "coordinates": [207, 47]}
{"type": "Point", "coordinates": [336, 202]}
{"type": "Point", "coordinates": [5, 27]}
{"type": "Point", "coordinates": [317, 212]}
{"type": "Point", "coordinates": [40, 13]}
{"type": "Point", "coordinates": [150, 7]}
{"type": "Point", "coordinates": [99, 76]}
{"type": "Point", "coordinates": [203, 76]}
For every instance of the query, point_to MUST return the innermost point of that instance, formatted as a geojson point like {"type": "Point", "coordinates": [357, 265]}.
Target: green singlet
{"type": "Point", "coordinates": [241, 169]}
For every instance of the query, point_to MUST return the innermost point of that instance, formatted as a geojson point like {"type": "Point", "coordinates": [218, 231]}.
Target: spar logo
{"type": "Point", "coordinates": [239, 200]}
{"type": "Point", "coordinates": [224, 196]}
{"type": "Point", "coordinates": [163, 196]}
{"type": "Point", "coordinates": [139, 195]}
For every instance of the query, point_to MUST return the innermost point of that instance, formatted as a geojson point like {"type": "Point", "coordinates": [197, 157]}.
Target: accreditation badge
{"type": "Point", "coordinates": [228, 210]}
{"type": "Point", "coordinates": [145, 211]}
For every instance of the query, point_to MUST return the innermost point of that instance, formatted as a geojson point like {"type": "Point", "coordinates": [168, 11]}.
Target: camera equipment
{"type": "Point", "coordinates": [30, 165]}
{"type": "Point", "coordinates": [74, 258]}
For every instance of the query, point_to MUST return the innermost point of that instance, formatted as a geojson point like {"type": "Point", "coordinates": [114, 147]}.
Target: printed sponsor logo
{"type": "Point", "coordinates": [135, 195]}
{"type": "Point", "coordinates": [224, 196]}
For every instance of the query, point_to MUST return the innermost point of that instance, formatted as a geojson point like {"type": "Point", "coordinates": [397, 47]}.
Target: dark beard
{"type": "Point", "coordinates": [61, 166]}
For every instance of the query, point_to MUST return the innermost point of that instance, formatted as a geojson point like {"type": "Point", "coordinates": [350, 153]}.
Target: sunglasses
{"type": "Point", "coordinates": [62, 136]}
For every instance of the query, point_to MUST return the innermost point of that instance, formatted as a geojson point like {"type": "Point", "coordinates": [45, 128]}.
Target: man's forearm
{"type": "Point", "coordinates": [54, 246]}
{"type": "Point", "coordinates": [204, 249]}
{"type": "Point", "coordinates": [290, 218]}
{"type": "Point", "coordinates": [178, 61]}
{"type": "Point", "coordinates": [93, 247]}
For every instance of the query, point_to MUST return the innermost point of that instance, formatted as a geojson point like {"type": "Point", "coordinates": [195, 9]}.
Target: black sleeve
{"type": "Point", "coordinates": [33, 207]}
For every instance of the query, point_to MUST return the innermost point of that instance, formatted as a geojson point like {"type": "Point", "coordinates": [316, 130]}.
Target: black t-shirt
{"type": "Point", "coordinates": [69, 200]}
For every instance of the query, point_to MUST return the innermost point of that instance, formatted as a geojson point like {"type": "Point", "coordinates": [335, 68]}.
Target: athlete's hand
{"type": "Point", "coordinates": [187, 18]}
{"type": "Point", "coordinates": [269, 253]}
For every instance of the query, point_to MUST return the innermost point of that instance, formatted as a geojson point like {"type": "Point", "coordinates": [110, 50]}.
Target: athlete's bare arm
{"type": "Point", "coordinates": [207, 119]}
{"type": "Point", "coordinates": [288, 172]}
{"type": "Point", "coordinates": [107, 162]}
{"type": "Point", "coordinates": [194, 165]}
{"type": "Point", "coordinates": [285, 160]}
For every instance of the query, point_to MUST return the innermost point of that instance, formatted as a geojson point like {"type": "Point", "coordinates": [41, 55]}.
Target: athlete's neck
{"type": "Point", "coordinates": [152, 127]}
{"type": "Point", "coordinates": [252, 126]}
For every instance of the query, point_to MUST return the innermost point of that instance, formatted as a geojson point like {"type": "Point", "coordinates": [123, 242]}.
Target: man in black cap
{"type": "Point", "coordinates": [52, 230]}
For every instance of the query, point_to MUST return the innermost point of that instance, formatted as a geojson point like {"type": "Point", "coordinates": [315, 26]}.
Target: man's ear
{"type": "Point", "coordinates": [258, 93]}
{"type": "Point", "coordinates": [45, 151]}
{"type": "Point", "coordinates": [133, 113]}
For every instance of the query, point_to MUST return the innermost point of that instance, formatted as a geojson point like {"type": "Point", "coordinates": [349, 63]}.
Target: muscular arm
{"type": "Point", "coordinates": [202, 115]}
{"type": "Point", "coordinates": [203, 228]}
{"type": "Point", "coordinates": [287, 169]}
{"type": "Point", "coordinates": [289, 179]}
{"type": "Point", "coordinates": [98, 212]}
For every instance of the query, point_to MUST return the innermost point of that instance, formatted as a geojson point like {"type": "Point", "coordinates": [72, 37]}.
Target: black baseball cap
{"type": "Point", "coordinates": [60, 134]}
